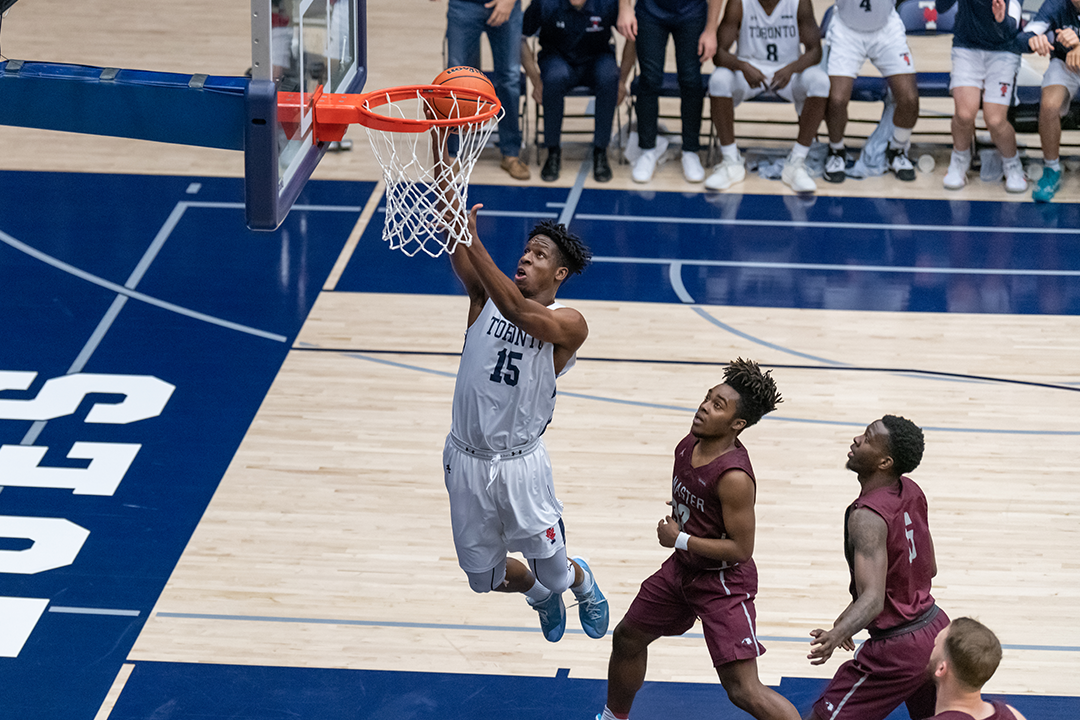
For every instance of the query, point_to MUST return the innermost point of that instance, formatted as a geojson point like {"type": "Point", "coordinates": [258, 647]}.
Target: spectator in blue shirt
{"type": "Point", "coordinates": [1054, 31]}
{"type": "Point", "coordinates": [576, 48]}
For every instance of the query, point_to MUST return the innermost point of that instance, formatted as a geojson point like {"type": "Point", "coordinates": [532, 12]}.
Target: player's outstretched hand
{"type": "Point", "coordinates": [666, 531]}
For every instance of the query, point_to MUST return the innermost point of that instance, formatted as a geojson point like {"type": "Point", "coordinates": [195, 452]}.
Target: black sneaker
{"type": "Point", "coordinates": [898, 162]}
{"type": "Point", "coordinates": [600, 168]}
{"type": "Point", "coordinates": [550, 173]}
{"type": "Point", "coordinates": [836, 166]}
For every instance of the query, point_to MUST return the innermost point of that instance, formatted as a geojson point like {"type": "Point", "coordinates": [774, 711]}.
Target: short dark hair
{"type": "Point", "coordinates": [576, 256]}
{"type": "Point", "coordinates": [905, 443]}
{"type": "Point", "coordinates": [757, 390]}
{"type": "Point", "coordinates": [973, 651]}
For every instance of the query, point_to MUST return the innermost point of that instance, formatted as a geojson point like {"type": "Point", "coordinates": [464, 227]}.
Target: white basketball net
{"type": "Point", "coordinates": [427, 190]}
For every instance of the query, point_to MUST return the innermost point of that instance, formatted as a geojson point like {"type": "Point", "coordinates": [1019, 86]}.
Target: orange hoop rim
{"type": "Point", "coordinates": [377, 98]}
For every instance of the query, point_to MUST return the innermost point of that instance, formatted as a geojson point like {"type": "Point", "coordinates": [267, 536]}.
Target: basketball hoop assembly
{"type": "Point", "coordinates": [410, 127]}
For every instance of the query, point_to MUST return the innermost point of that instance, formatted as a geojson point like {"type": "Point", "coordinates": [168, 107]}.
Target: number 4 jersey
{"type": "Point", "coordinates": [505, 392]}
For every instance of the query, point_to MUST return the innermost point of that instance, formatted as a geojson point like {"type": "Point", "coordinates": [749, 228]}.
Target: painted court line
{"type": "Point", "coordinates": [494, 628]}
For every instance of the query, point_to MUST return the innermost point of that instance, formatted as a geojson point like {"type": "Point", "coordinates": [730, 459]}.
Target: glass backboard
{"type": "Point", "coordinates": [297, 46]}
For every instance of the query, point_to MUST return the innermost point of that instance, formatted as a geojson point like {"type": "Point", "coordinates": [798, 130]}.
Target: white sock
{"type": "Point", "coordinates": [837, 146]}
{"type": "Point", "coordinates": [537, 593]}
{"type": "Point", "coordinates": [1054, 164]}
{"type": "Point", "coordinates": [1013, 162]}
{"type": "Point", "coordinates": [901, 137]}
{"type": "Point", "coordinates": [731, 152]}
{"type": "Point", "coordinates": [963, 156]}
{"type": "Point", "coordinates": [608, 715]}
{"type": "Point", "coordinates": [799, 152]}
{"type": "Point", "coordinates": [586, 585]}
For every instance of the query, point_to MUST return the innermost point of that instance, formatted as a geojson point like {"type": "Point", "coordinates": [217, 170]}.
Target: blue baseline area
{"type": "Point", "coordinates": [776, 251]}
{"type": "Point", "coordinates": [260, 285]}
{"type": "Point", "coordinates": [182, 691]}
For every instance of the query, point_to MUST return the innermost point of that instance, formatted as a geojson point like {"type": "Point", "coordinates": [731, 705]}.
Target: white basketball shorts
{"type": "Point", "coordinates": [501, 503]}
{"type": "Point", "coordinates": [886, 48]}
{"type": "Point", "coordinates": [811, 82]}
{"type": "Point", "coordinates": [992, 71]}
{"type": "Point", "coordinates": [1058, 73]}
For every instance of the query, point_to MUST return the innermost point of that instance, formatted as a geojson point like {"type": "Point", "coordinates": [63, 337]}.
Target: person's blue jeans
{"type": "Point", "coordinates": [600, 74]}
{"type": "Point", "coordinates": [465, 22]}
{"type": "Point", "coordinates": [651, 48]}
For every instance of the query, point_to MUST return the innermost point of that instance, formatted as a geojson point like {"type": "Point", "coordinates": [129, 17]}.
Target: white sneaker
{"type": "Point", "coordinates": [645, 165]}
{"type": "Point", "coordinates": [795, 176]}
{"type": "Point", "coordinates": [691, 167]}
{"type": "Point", "coordinates": [1015, 179]}
{"type": "Point", "coordinates": [956, 176]}
{"type": "Point", "coordinates": [726, 174]}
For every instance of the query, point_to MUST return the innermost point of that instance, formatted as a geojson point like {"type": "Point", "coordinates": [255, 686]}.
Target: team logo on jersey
{"type": "Point", "coordinates": [594, 24]}
{"type": "Point", "coordinates": [550, 535]}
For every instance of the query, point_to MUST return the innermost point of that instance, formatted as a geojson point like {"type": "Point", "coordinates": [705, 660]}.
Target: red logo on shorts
{"type": "Point", "coordinates": [907, 58]}
{"type": "Point", "coordinates": [550, 533]}
{"type": "Point", "coordinates": [1004, 89]}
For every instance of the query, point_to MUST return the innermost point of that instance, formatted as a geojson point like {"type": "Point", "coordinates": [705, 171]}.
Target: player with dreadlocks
{"type": "Point", "coordinates": [497, 471]}
{"type": "Point", "coordinates": [711, 574]}
{"type": "Point", "coordinates": [890, 556]}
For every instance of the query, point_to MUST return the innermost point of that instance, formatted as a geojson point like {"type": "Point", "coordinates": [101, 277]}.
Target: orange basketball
{"type": "Point", "coordinates": [466, 77]}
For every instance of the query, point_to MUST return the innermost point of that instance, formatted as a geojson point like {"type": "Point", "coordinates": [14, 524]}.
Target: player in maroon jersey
{"type": "Point", "coordinates": [711, 574]}
{"type": "Point", "coordinates": [890, 556]}
{"type": "Point", "coordinates": [965, 656]}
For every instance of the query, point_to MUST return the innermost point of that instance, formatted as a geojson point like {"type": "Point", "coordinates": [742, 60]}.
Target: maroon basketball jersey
{"type": "Point", "coordinates": [696, 502]}
{"type": "Point", "coordinates": [911, 567]}
{"type": "Point", "coordinates": [1001, 712]}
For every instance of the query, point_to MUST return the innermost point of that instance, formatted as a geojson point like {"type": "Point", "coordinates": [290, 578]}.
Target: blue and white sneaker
{"type": "Point", "coordinates": [552, 613]}
{"type": "Point", "coordinates": [592, 608]}
{"type": "Point", "coordinates": [1048, 185]}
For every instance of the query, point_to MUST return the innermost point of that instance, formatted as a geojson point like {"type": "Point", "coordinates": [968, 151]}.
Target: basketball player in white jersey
{"type": "Point", "coordinates": [495, 463]}
{"type": "Point", "coordinates": [768, 60]}
{"type": "Point", "coordinates": [872, 30]}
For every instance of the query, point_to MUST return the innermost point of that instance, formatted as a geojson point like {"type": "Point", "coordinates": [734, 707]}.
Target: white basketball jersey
{"type": "Point", "coordinates": [865, 15]}
{"type": "Point", "coordinates": [770, 38]}
{"type": "Point", "coordinates": [505, 391]}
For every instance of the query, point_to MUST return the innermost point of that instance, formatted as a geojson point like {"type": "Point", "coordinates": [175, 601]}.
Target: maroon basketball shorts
{"type": "Point", "coordinates": [673, 597]}
{"type": "Point", "coordinates": [882, 674]}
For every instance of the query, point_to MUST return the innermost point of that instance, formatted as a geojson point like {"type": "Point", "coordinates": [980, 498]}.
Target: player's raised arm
{"type": "Point", "coordinates": [564, 327]}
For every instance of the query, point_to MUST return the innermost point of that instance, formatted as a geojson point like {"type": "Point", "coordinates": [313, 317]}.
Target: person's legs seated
{"type": "Point", "coordinates": [651, 49]}
{"type": "Point", "coordinates": [727, 89]}
{"type": "Point", "coordinates": [558, 79]}
{"type": "Point", "coordinates": [691, 95]}
{"type": "Point", "coordinates": [809, 90]}
{"type": "Point", "coordinates": [905, 91]}
{"type": "Point", "coordinates": [1059, 86]}
{"type": "Point", "coordinates": [966, 101]}
{"type": "Point", "coordinates": [836, 117]}
{"type": "Point", "coordinates": [603, 78]}
{"type": "Point", "coordinates": [505, 41]}
{"type": "Point", "coordinates": [1001, 69]}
